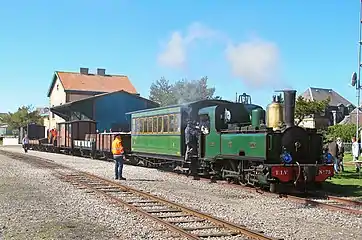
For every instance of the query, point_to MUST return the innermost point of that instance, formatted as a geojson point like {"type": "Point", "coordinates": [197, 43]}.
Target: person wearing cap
{"type": "Point", "coordinates": [118, 156]}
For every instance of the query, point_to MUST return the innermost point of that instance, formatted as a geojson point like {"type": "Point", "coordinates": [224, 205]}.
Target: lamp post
{"type": "Point", "coordinates": [356, 78]}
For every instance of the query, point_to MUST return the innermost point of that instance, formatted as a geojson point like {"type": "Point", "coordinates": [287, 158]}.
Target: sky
{"type": "Point", "coordinates": [248, 46]}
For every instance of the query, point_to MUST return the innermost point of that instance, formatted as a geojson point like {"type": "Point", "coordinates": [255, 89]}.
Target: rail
{"type": "Point", "coordinates": [169, 214]}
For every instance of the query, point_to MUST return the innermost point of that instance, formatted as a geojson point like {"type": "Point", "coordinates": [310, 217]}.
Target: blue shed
{"type": "Point", "coordinates": [108, 110]}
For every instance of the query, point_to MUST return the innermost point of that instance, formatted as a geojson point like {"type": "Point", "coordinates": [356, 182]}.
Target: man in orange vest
{"type": "Point", "coordinates": [118, 156]}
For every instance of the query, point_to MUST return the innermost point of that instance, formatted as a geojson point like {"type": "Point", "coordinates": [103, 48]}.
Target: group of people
{"type": "Point", "coordinates": [192, 132]}
{"type": "Point", "coordinates": [335, 150]}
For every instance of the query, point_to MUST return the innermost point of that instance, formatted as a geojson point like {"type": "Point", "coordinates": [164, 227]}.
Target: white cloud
{"type": "Point", "coordinates": [174, 54]}
{"type": "Point", "coordinates": [255, 62]}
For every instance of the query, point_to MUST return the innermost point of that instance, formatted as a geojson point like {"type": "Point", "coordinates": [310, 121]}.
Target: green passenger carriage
{"type": "Point", "coordinates": [157, 131]}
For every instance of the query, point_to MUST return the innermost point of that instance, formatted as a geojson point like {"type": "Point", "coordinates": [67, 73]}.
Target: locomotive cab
{"type": "Point", "coordinates": [216, 119]}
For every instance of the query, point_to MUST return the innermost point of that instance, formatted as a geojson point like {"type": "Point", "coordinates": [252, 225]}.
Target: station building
{"type": "Point", "coordinates": [108, 110]}
{"type": "Point", "coordinates": [68, 87]}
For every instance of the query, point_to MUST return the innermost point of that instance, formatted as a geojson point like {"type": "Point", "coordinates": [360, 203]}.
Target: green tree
{"type": "Point", "coordinates": [344, 131]}
{"type": "Point", "coordinates": [161, 92]}
{"type": "Point", "coordinates": [181, 91]}
{"type": "Point", "coordinates": [305, 108]}
{"type": "Point", "coordinates": [22, 117]}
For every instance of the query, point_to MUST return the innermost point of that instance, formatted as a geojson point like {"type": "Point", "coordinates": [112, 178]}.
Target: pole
{"type": "Point", "coordinates": [358, 85]}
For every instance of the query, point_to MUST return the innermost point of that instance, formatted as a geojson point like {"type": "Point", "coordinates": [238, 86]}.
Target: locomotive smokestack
{"type": "Point", "coordinates": [289, 107]}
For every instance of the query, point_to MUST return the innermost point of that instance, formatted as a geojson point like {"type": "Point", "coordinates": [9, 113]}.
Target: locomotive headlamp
{"type": "Point", "coordinates": [286, 157]}
{"type": "Point", "coordinates": [328, 158]}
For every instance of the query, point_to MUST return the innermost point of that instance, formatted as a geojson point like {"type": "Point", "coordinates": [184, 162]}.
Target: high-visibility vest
{"type": "Point", "coordinates": [54, 132]}
{"type": "Point", "coordinates": [117, 148]}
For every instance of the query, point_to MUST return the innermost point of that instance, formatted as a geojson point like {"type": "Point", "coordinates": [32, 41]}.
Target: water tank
{"type": "Point", "coordinates": [257, 117]}
{"type": "Point", "coordinates": [274, 113]}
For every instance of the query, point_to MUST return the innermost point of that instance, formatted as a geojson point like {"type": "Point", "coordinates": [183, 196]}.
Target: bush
{"type": "Point", "coordinates": [345, 132]}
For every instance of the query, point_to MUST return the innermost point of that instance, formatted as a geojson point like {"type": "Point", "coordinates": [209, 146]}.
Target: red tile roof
{"type": "Point", "coordinates": [73, 81]}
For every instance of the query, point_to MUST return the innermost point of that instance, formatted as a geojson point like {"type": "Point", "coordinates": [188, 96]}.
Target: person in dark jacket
{"type": "Point", "coordinates": [340, 154]}
{"type": "Point", "coordinates": [191, 142]}
{"type": "Point", "coordinates": [333, 150]}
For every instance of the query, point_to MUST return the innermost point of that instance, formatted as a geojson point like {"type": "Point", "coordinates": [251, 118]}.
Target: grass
{"type": "Point", "coordinates": [347, 183]}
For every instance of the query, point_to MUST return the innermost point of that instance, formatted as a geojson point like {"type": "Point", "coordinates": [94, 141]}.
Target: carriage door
{"type": "Point", "coordinates": [205, 130]}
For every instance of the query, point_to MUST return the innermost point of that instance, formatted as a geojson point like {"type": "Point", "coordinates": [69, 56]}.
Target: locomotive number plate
{"type": "Point", "coordinates": [252, 144]}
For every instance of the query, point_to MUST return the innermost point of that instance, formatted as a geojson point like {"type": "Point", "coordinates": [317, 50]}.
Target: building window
{"type": "Point", "coordinates": [57, 86]}
{"type": "Point", "coordinates": [53, 116]}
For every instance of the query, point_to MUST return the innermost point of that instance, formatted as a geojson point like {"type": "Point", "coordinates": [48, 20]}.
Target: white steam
{"type": "Point", "coordinates": [256, 62]}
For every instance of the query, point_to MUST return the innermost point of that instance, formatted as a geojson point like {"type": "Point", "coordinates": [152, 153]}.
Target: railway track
{"type": "Point", "coordinates": [183, 221]}
{"type": "Point", "coordinates": [329, 202]}
{"type": "Point", "coordinates": [319, 199]}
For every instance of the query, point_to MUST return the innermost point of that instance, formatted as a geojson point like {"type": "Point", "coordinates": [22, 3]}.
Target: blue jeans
{"type": "Point", "coordinates": [336, 163]}
{"type": "Point", "coordinates": [118, 168]}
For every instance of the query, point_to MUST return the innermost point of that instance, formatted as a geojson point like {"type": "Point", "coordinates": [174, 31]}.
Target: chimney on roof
{"type": "Point", "coordinates": [101, 71]}
{"type": "Point", "coordinates": [84, 71]}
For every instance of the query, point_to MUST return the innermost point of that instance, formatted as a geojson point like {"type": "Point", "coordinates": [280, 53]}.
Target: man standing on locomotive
{"type": "Point", "coordinates": [118, 156]}
{"type": "Point", "coordinates": [191, 142]}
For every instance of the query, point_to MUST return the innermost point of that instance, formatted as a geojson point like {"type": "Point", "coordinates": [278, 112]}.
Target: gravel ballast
{"type": "Point", "coordinates": [37, 205]}
{"type": "Point", "coordinates": [275, 217]}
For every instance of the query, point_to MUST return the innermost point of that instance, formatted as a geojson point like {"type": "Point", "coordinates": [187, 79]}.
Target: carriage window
{"type": "Point", "coordinates": [133, 125]}
{"type": "Point", "coordinates": [137, 125]}
{"type": "Point", "coordinates": [177, 123]}
{"type": "Point", "coordinates": [159, 124]}
{"type": "Point", "coordinates": [165, 123]}
{"type": "Point", "coordinates": [149, 125]}
{"type": "Point", "coordinates": [172, 123]}
{"type": "Point", "coordinates": [154, 121]}
{"type": "Point", "coordinates": [145, 129]}
{"type": "Point", "coordinates": [141, 122]}
{"type": "Point", "coordinates": [144, 125]}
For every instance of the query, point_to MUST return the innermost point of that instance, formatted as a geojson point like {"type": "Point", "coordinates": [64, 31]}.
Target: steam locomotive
{"type": "Point", "coordinates": [238, 144]}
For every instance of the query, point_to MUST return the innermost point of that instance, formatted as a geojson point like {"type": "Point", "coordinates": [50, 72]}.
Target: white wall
{"type": "Point", "coordinates": [10, 141]}
{"type": "Point", "coordinates": [57, 97]}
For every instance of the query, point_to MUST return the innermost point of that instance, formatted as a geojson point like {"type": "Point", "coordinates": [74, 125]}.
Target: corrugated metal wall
{"type": "Point", "coordinates": [110, 110]}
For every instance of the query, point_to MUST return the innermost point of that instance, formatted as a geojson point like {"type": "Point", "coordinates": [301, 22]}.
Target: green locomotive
{"type": "Point", "coordinates": [237, 144]}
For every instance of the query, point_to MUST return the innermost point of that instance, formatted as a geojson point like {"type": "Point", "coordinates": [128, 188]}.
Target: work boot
{"type": "Point", "coordinates": [122, 178]}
